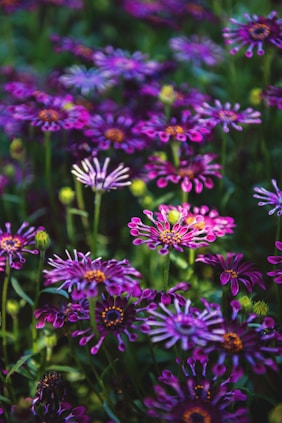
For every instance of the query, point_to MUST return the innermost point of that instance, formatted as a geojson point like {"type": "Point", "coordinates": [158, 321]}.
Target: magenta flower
{"type": "Point", "coordinates": [254, 34]}
{"type": "Point", "coordinates": [12, 246]}
{"type": "Point", "coordinates": [273, 96]}
{"type": "Point", "coordinates": [97, 178]}
{"type": "Point", "coordinates": [234, 270]}
{"type": "Point", "coordinates": [196, 49]}
{"type": "Point", "coordinates": [195, 172]}
{"type": "Point", "coordinates": [226, 116]}
{"type": "Point", "coordinates": [270, 198]}
{"type": "Point", "coordinates": [277, 274]}
{"type": "Point", "coordinates": [168, 236]}
{"type": "Point", "coordinates": [63, 315]}
{"type": "Point", "coordinates": [71, 45]}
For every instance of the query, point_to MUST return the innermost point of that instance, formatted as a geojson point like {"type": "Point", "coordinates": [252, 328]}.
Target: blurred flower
{"type": "Point", "coordinates": [50, 391]}
{"type": "Point", "coordinates": [171, 294]}
{"type": "Point", "coordinates": [273, 96]}
{"type": "Point", "coordinates": [234, 270]}
{"type": "Point", "coordinates": [19, 89]}
{"type": "Point", "coordinates": [270, 198]}
{"type": "Point", "coordinates": [196, 398]}
{"type": "Point", "coordinates": [71, 45]}
{"type": "Point", "coordinates": [225, 115]}
{"type": "Point", "coordinates": [98, 179]}
{"type": "Point", "coordinates": [276, 260]}
{"type": "Point", "coordinates": [83, 276]}
{"type": "Point", "coordinates": [195, 172]}
{"type": "Point", "coordinates": [254, 34]}
{"type": "Point", "coordinates": [163, 235]}
{"type": "Point", "coordinates": [196, 49]}
{"type": "Point", "coordinates": [13, 246]}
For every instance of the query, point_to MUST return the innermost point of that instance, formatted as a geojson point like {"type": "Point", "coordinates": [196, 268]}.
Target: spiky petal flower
{"type": "Point", "coordinates": [270, 198]}
{"type": "Point", "coordinates": [272, 96]}
{"type": "Point", "coordinates": [255, 33]}
{"type": "Point", "coordinates": [227, 115]}
{"type": "Point", "coordinates": [95, 177]}
{"type": "Point", "coordinates": [234, 270]}
{"type": "Point", "coordinates": [277, 273]}
{"type": "Point", "coordinates": [12, 246]}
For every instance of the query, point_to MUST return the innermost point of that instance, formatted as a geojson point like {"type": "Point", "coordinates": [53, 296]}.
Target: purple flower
{"type": "Point", "coordinates": [276, 260]}
{"type": "Point", "coordinates": [97, 178]}
{"type": "Point", "coordinates": [273, 96]}
{"type": "Point", "coordinates": [63, 315]}
{"type": "Point", "coordinates": [225, 115]}
{"type": "Point", "coordinates": [12, 246]}
{"type": "Point", "coordinates": [234, 270]}
{"type": "Point", "coordinates": [270, 198]}
{"type": "Point", "coordinates": [194, 172]}
{"type": "Point", "coordinates": [168, 236]}
{"type": "Point", "coordinates": [83, 277]}
{"type": "Point", "coordinates": [69, 44]}
{"type": "Point", "coordinates": [189, 326]}
{"type": "Point", "coordinates": [254, 34]}
{"type": "Point", "coordinates": [171, 294]}
{"type": "Point", "coordinates": [197, 50]}
{"type": "Point", "coordinates": [196, 398]}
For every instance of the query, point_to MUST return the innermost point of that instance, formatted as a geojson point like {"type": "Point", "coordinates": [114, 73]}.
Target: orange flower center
{"type": "Point", "coordinates": [232, 342]}
{"type": "Point", "coordinates": [227, 115]}
{"type": "Point", "coordinates": [114, 135]}
{"type": "Point", "coordinates": [259, 31]}
{"type": "Point", "coordinates": [10, 243]}
{"type": "Point", "coordinates": [232, 272]}
{"type": "Point", "coordinates": [196, 414]}
{"type": "Point", "coordinates": [170, 237]}
{"type": "Point", "coordinates": [95, 275]}
{"type": "Point", "coordinates": [48, 115]}
{"type": "Point", "coordinates": [112, 316]}
{"type": "Point", "coordinates": [174, 130]}
{"type": "Point", "coordinates": [188, 173]}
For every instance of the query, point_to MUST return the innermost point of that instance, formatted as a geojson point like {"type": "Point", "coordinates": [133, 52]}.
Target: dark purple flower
{"type": "Point", "coordinates": [171, 294]}
{"type": "Point", "coordinates": [225, 115]}
{"type": "Point", "coordinates": [255, 33]}
{"type": "Point", "coordinates": [277, 273]}
{"type": "Point", "coordinates": [59, 316]}
{"type": "Point", "coordinates": [234, 270]}
{"type": "Point", "coordinates": [270, 198]}
{"type": "Point", "coordinates": [20, 90]}
{"type": "Point", "coordinates": [12, 246]}
{"type": "Point", "coordinates": [272, 96]}
{"type": "Point", "coordinates": [71, 45]}
{"type": "Point", "coordinates": [194, 172]}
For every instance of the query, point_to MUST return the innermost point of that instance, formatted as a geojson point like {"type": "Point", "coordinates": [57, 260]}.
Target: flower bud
{"type": "Point", "coordinates": [167, 95]}
{"type": "Point", "coordinates": [42, 240]}
{"type": "Point", "coordinates": [66, 196]}
{"type": "Point", "coordinates": [138, 188]}
{"type": "Point", "coordinates": [260, 308]}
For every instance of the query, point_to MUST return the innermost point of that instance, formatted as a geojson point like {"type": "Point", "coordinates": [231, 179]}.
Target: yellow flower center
{"type": "Point", "coordinates": [232, 272]}
{"type": "Point", "coordinates": [170, 237]}
{"type": "Point", "coordinates": [232, 342]}
{"type": "Point", "coordinates": [114, 135]}
{"type": "Point", "coordinates": [174, 130]}
{"type": "Point", "coordinates": [95, 275]}
{"type": "Point", "coordinates": [10, 243]}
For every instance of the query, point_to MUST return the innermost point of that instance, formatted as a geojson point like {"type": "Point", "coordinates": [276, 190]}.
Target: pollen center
{"type": "Point", "coordinates": [196, 414]}
{"type": "Point", "coordinates": [227, 116]}
{"type": "Point", "coordinates": [174, 130]}
{"type": "Point", "coordinates": [198, 393]}
{"type": "Point", "coordinates": [112, 316]}
{"type": "Point", "coordinates": [94, 276]}
{"type": "Point", "coordinates": [114, 135]}
{"type": "Point", "coordinates": [186, 172]}
{"type": "Point", "coordinates": [48, 115]}
{"type": "Point", "coordinates": [232, 272]}
{"type": "Point", "coordinates": [170, 237]}
{"type": "Point", "coordinates": [259, 31]}
{"type": "Point", "coordinates": [9, 243]}
{"type": "Point", "coordinates": [232, 342]}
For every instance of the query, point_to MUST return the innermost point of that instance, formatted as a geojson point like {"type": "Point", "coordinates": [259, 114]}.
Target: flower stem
{"type": "Point", "coordinates": [4, 311]}
{"type": "Point", "coordinates": [166, 271]}
{"type": "Point", "coordinates": [81, 206]}
{"type": "Point", "coordinates": [47, 145]}
{"type": "Point", "coordinates": [98, 198]}
{"type": "Point", "coordinates": [92, 307]}
{"type": "Point", "coordinates": [36, 298]}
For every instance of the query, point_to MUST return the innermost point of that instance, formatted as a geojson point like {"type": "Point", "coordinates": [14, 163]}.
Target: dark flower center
{"type": "Point", "coordinates": [196, 414]}
{"type": "Point", "coordinates": [232, 272]}
{"type": "Point", "coordinates": [174, 130]}
{"type": "Point", "coordinates": [169, 237]}
{"type": "Point", "coordinates": [227, 116]}
{"type": "Point", "coordinates": [114, 135]}
{"type": "Point", "coordinates": [232, 342]}
{"type": "Point", "coordinates": [259, 31]}
{"type": "Point", "coordinates": [94, 276]}
{"type": "Point", "coordinates": [10, 243]}
{"type": "Point", "coordinates": [48, 115]}
{"type": "Point", "coordinates": [199, 390]}
{"type": "Point", "coordinates": [112, 316]}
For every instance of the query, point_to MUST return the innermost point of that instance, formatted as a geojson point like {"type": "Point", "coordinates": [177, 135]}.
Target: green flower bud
{"type": "Point", "coordinates": [260, 308]}
{"type": "Point", "coordinates": [42, 240]}
{"type": "Point", "coordinates": [246, 303]}
{"type": "Point", "coordinates": [66, 196]}
{"type": "Point", "coordinates": [13, 307]}
{"type": "Point", "coordinates": [138, 188]}
{"type": "Point", "coordinates": [167, 95]}
{"type": "Point", "coordinates": [17, 149]}
{"type": "Point", "coordinates": [275, 415]}
{"type": "Point", "coordinates": [173, 216]}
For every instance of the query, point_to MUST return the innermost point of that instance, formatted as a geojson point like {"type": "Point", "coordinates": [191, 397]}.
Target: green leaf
{"type": "Point", "coordinates": [61, 368]}
{"type": "Point", "coordinates": [4, 399]}
{"type": "Point", "coordinates": [110, 413]}
{"type": "Point", "coordinates": [55, 291]}
{"type": "Point", "coordinates": [19, 363]}
{"type": "Point", "coordinates": [17, 287]}
{"type": "Point", "coordinates": [79, 212]}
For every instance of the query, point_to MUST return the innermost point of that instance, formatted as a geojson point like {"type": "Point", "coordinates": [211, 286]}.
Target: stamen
{"type": "Point", "coordinates": [114, 135]}
{"type": "Point", "coordinates": [48, 115]}
{"type": "Point", "coordinates": [232, 342]}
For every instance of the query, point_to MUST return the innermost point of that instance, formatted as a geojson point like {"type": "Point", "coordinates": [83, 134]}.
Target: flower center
{"type": "Point", "coordinates": [198, 392]}
{"type": "Point", "coordinates": [174, 130]}
{"type": "Point", "coordinates": [48, 115]}
{"type": "Point", "coordinates": [196, 414]}
{"type": "Point", "coordinates": [112, 316]}
{"type": "Point", "coordinates": [114, 135]}
{"type": "Point", "coordinates": [94, 276]}
{"type": "Point", "coordinates": [191, 220]}
{"type": "Point", "coordinates": [259, 31]}
{"type": "Point", "coordinates": [169, 237]}
{"type": "Point", "coordinates": [186, 172]}
{"type": "Point", "coordinates": [232, 272]}
{"type": "Point", "coordinates": [10, 243]}
{"type": "Point", "coordinates": [227, 116]}
{"type": "Point", "coordinates": [232, 342]}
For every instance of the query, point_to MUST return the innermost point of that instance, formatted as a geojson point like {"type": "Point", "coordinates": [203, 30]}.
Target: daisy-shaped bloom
{"type": "Point", "coordinates": [51, 113]}
{"type": "Point", "coordinates": [195, 49]}
{"type": "Point", "coordinates": [12, 246]}
{"type": "Point", "coordinates": [97, 178]}
{"type": "Point", "coordinates": [187, 128]}
{"type": "Point", "coordinates": [226, 115]}
{"type": "Point", "coordinates": [273, 96]}
{"type": "Point", "coordinates": [20, 90]}
{"type": "Point", "coordinates": [109, 130]}
{"type": "Point", "coordinates": [118, 317]}
{"type": "Point", "coordinates": [121, 63]}
{"type": "Point", "coordinates": [234, 270]}
{"type": "Point", "coordinates": [255, 33]}
{"type": "Point", "coordinates": [277, 274]}
{"type": "Point", "coordinates": [86, 81]}
{"type": "Point", "coordinates": [167, 236]}
{"type": "Point", "coordinates": [195, 172]}
{"type": "Point", "coordinates": [189, 326]}
{"type": "Point", "coordinates": [193, 397]}
{"type": "Point", "coordinates": [83, 276]}
{"type": "Point", "coordinates": [268, 198]}
{"type": "Point", "coordinates": [69, 44]}
{"type": "Point", "coordinates": [170, 295]}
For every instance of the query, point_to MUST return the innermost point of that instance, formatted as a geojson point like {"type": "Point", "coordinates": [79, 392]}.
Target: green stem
{"type": "Point", "coordinates": [92, 306]}
{"type": "Point", "coordinates": [70, 227]}
{"type": "Point", "coordinates": [98, 198]}
{"type": "Point", "coordinates": [175, 152]}
{"type": "Point", "coordinates": [223, 157]}
{"type": "Point", "coordinates": [4, 311]}
{"type": "Point", "coordinates": [81, 206]}
{"type": "Point", "coordinates": [166, 271]}
{"type": "Point", "coordinates": [36, 298]}
{"type": "Point", "coordinates": [47, 146]}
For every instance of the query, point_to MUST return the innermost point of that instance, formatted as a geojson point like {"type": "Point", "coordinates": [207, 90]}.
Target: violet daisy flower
{"type": "Point", "coordinates": [196, 398]}
{"type": "Point", "coordinates": [255, 33]}
{"type": "Point", "coordinates": [12, 246]}
{"type": "Point", "coordinates": [195, 172]}
{"type": "Point", "coordinates": [83, 276]}
{"type": "Point", "coordinates": [234, 270]}
{"type": "Point", "coordinates": [276, 260]}
{"type": "Point", "coordinates": [270, 198]}
{"type": "Point", "coordinates": [97, 178]}
{"type": "Point", "coordinates": [226, 116]}
{"type": "Point", "coordinates": [170, 295]}
{"type": "Point", "coordinates": [168, 236]}
{"type": "Point", "coordinates": [109, 130]}
{"type": "Point", "coordinates": [273, 96]}
{"type": "Point", "coordinates": [87, 81]}
{"type": "Point", "coordinates": [197, 50]}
